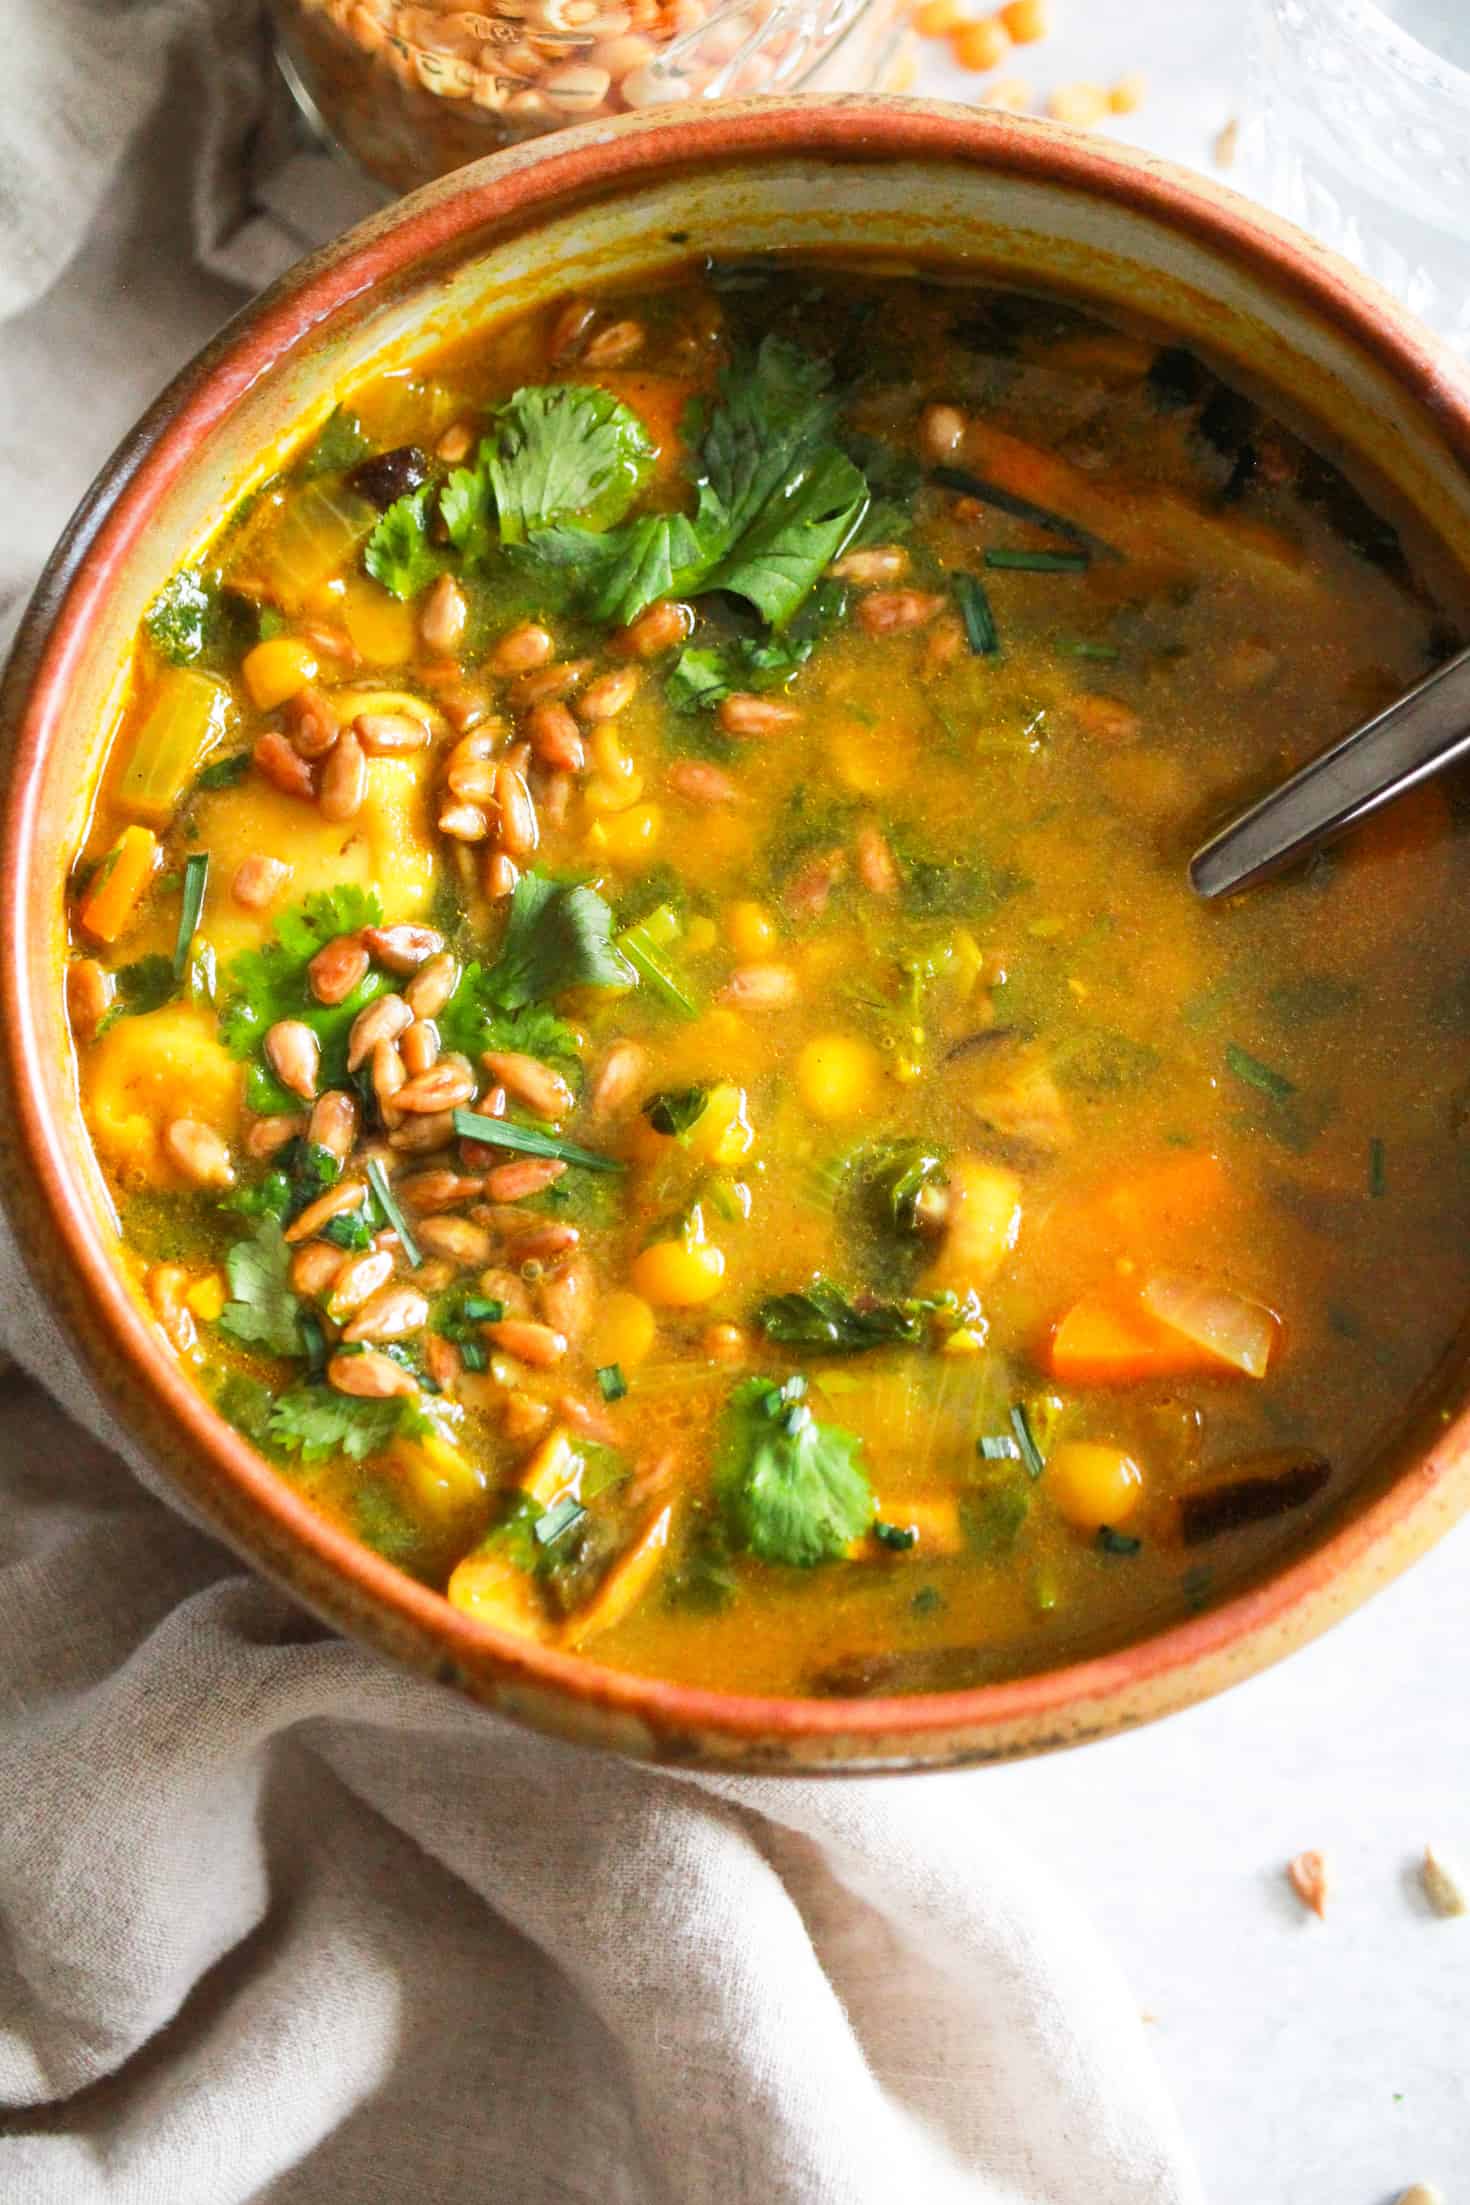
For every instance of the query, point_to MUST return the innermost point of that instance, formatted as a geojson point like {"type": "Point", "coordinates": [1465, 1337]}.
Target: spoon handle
{"type": "Point", "coordinates": [1418, 735]}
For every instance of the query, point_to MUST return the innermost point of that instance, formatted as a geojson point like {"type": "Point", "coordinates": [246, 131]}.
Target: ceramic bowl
{"type": "Point", "coordinates": [898, 182]}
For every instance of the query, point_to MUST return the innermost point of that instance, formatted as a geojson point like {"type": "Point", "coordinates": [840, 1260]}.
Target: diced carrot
{"type": "Point", "coordinates": [1109, 1340]}
{"type": "Point", "coordinates": [121, 879]}
{"type": "Point", "coordinates": [1152, 1205]}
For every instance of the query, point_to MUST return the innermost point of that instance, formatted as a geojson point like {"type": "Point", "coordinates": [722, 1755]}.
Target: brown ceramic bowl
{"type": "Point", "coordinates": [898, 181]}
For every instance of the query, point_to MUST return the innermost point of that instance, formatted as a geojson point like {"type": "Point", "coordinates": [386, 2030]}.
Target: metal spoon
{"type": "Point", "coordinates": [1410, 740]}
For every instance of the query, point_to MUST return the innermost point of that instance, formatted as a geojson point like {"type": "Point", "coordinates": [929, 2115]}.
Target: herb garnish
{"type": "Point", "coordinates": [792, 1490]}
{"type": "Point", "coordinates": [529, 1140]}
{"type": "Point", "coordinates": [981, 632]}
{"type": "Point", "coordinates": [1040, 562]}
{"type": "Point", "coordinates": [1031, 1454]}
{"type": "Point", "coordinates": [196, 877]}
{"type": "Point", "coordinates": [387, 1202]}
{"type": "Point", "coordinates": [969, 485]}
{"type": "Point", "coordinates": [1251, 1072]}
{"type": "Point", "coordinates": [823, 1316]}
{"type": "Point", "coordinates": [611, 1383]}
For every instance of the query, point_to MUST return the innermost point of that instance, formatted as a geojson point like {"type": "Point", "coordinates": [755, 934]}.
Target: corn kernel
{"type": "Point", "coordinates": [207, 1296]}
{"type": "Point", "coordinates": [623, 837]}
{"type": "Point", "coordinates": [936, 18]}
{"type": "Point", "coordinates": [1025, 20]}
{"type": "Point", "coordinates": [749, 929]}
{"type": "Point", "coordinates": [966, 1341]}
{"type": "Point", "coordinates": [278, 670]}
{"type": "Point", "coordinates": [679, 1274]}
{"type": "Point", "coordinates": [700, 934]}
{"type": "Point", "coordinates": [979, 45]}
{"type": "Point", "coordinates": [838, 1076]}
{"type": "Point", "coordinates": [623, 1331]}
{"type": "Point", "coordinates": [722, 1133]}
{"type": "Point", "coordinates": [1093, 1485]}
{"type": "Point", "coordinates": [1126, 96]}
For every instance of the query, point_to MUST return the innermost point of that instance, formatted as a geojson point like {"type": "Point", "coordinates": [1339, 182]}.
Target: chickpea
{"type": "Point", "coordinates": [1093, 1485]}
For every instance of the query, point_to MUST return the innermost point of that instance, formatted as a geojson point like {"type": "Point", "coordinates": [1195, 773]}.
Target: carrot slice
{"type": "Point", "coordinates": [1179, 1191]}
{"type": "Point", "coordinates": [121, 879]}
{"type": "Point", "coordinates": [1106, 1340]}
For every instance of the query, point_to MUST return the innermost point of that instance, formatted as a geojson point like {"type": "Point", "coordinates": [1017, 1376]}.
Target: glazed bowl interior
{"type": "Point", "coordinates": [899, 185]}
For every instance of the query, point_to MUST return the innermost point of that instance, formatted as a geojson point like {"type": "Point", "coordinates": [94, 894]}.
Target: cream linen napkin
{"type": "Point", "coordinates": [278, 1923]}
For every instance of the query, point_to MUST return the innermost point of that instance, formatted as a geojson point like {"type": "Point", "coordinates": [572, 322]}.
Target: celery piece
{"type": "Point", "coordinates": [320, 530]}
{"type": "Point", "coordinates": [189, 713]}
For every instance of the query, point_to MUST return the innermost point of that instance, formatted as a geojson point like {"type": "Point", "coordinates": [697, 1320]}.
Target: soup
{"type": "Point", "coordinates": [635, 988]}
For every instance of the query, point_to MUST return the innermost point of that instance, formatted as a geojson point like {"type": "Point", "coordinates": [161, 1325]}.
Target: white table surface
{"type": "Point", "coordinates": [1314, 2063]}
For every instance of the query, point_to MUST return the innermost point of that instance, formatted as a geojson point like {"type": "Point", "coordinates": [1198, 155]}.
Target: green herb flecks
{"type": "Point", "coordinates": [529, 1141]}
{"type": "Point", "coordinates": [611, 1383]}
{"type": "Point", "coordinates": [1377, 1168]}
{"type": "Point", "coordinates": [1110, 1541]}
{"type": "Point", "coordinates": [981, 633]}
{"type": "Point", "coordinates": [821, 1316]}
{"type": "Point", "coordinates": [897, 1538]}
{"type": "Point", "coordinates": [1251, 1072]}
{"type": "Point", "coordinates": [968, 485]}
{"type": "Point", "coordinates": [1039, 562]}
{"type": "Point", "coordinates": [1031, 1454]}
{"type": "Point", "coordinates": [196, 879]}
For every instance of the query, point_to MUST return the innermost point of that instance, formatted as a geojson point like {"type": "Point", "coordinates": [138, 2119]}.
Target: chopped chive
{"type": "Point", "coordinates": [559, 1518]}
{"type": "Point", "coordinates": [196, 874]}
{"type": "Point", "coordinates": [1117, 1542]}
{"type": "Point", "coordinates": [1040, 562]}
{"type": "Point", "coordinates": [1377, 1172]}
{"type": "Point", "coordinates": [980, 629]}
{"type": "Point", "coordinates": [480, 1309]}
{"type": "Point", "coordinates": [990, 493]}
{"type": "Point", "coordinates": [474, 1354]}
{"type": "Point", "coordinates": [1030, 1453]}
{"type": "Point", "coordinates": [313, 1340]}
{"type": "Point", "coordinates": [504, 1133]}
{"type": "Point", "coordinates": [997, 1447]}
{"type": "Point", "coordinates": [387, 1203]}
{"type": "Point", "coordinates": [1046, 1593]}
{"type": "Point", "coordinates": [348, 1229]}
{"type": "Point", "coordinates": [898, 1538]}
{"type": "Point", "coordinates": [641, 945]}
{"type": "Point", "coordinates": [1080, 647]}
{"type": "Point", "coordinates": [1252, 1073]}
{"type": "Point", "coordinates": [611, 1382]}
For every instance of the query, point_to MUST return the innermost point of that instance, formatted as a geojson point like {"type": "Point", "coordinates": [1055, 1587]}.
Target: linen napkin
{"type": "Point", "coordinates": [280, 1923]}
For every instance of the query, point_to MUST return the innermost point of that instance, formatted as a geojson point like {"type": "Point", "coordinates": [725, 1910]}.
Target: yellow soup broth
{"type": "Point", "coordinates": [636, 988]}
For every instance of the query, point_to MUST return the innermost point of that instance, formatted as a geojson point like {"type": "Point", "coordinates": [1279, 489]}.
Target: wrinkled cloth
{"type": "Point", "coordinates": [83, 80]}
{"type": "Point", "coordinates": [280, 1923]}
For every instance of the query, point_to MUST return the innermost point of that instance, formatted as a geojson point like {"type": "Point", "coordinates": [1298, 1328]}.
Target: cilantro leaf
{"type": "Point", "coordinates": [398, 553]}
{"type": "Point", "coordinates": [823, 1316]}
{"type": "Point", "coordinates": [145, 985]}
{"type": "Point", "coordinates": [677, 1110]}
{"type": "Point", "coordinates": [263, 985]}
{"type": "Point", "coordinates": [564, 453]}
{"type": "Point", "coordinates": [317, 1424]}
{"type": "Point", "coordinates": [262, 1311]}
{"type": "Point", "coordinates": [792, 1490]}
{"type": "Point", "coordinates": [473, 1020]}
{"type": "Point", "coordinates": [467, 509]}
{"type": "Point", "coordinates": [703, 674]}
{"type": "Point", "coordinates": [194, 617]}
{"type": "Point", "coordinates": [341, 443]}
{"type": "Point", "coordinates": [783, 552]}
{"type": "Point", "coordinates": [557, 937]}
{"type": "Point", "coordinates": [245, 1403]}
{"type": "Point", "coordinates": [775, 501]}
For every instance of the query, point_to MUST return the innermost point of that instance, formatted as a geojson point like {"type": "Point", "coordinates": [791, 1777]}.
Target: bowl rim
{"type": "Point", "coordinates": [219, 1474]}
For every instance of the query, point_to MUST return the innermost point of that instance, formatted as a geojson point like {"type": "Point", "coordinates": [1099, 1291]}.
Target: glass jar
{"type": "Point", "coordinates": [413, 91]}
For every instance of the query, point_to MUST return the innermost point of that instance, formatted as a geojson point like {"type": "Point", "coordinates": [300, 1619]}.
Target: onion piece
{"type": "Point", "coordinates": [1241, 1333]}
